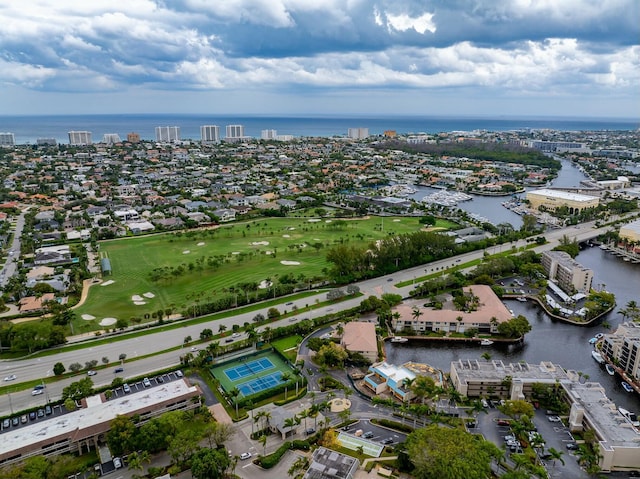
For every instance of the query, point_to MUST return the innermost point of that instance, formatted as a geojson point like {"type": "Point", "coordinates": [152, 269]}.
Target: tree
{"type": "Point", "coordinates": [58, 369]}
{"type": "Point", "coordinates": [443, 453]}
{"type": "Point", "coordinates": [209, 463]}
{"type": "Point", "coordinates": [300, 464]}
{"type": "Point", "coordinates": [122, 435]}
{"type": "Point", "coordinates": [234, 393]}
{"type": "Point", "coordinates": [217, 433]}
{"type": "Point", "coordinates": [183, 446]}
{"type": "Point", "coordinates": [75, 367]}
{"type": "Point", "coordinates": [263, 440]}
{"type": "Point", "coordinates": [122, 357]}
{"type": "Point", "coordinates": [285, 378]}
{"type": "Point", "coordinates": [78, 390]}
{"type": "Point", "coordinates": [555, 456]}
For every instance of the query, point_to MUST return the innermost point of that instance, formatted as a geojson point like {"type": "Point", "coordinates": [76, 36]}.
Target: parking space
{"type": "Point", "coordinates": [16, 421]}
{"type": "Point", "coordinates": [149, 382]}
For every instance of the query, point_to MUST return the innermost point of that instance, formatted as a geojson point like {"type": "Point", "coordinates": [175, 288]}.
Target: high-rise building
{"type": "Point", "coordinates": [80, 138]}
{"type": "Point", "coordinates": [568, 273]}
{"type": "Point", "coordinates": [7, 139]}
{"type": "Point", "coordinates": [268, 134]}
{"type": "Point", "coordinates": [167, 134]}
{"type": "Point", "coordinates": [133, 137]}
{"type": "Point", "coordinates": [358, 133]}
{"type": "Point", "coordinates": [210, 134]}
{"type": "Point", "coordinates": [234, 132]}
{"type": "Point", "coordinates": [46, 142]}
{"type": "Point", "coordinates": [111, 138]}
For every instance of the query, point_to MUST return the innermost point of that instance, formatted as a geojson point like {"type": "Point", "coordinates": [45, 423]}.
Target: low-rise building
{"type": "Point", "coordinates": [554, 199]}
{"type": "Point", "coordinates": [630, 232]}
{"type": "Point", "coordinates": [384, 377]}
{"type": "Point", "coordinates": [360, 337]}
{"type": "Point", "coordinates": [329, 464]}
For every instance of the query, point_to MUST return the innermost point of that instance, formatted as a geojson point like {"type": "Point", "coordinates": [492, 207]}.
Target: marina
{"type": "Point", "coordinates": [446, 198]}
{"type": "Point", "coordinates": [598, 357]}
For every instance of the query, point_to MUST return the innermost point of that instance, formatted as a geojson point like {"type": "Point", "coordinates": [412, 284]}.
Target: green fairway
{"type": "Point", "coordinates": [201, 265]}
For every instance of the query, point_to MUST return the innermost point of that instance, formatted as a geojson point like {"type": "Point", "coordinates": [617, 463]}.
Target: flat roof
{"type": "Point", "coordinates": [96, 412]}
{"type": "Point", "coordinates": [472, 369]}
{"type": "Point", "coordinates": [563, 195]}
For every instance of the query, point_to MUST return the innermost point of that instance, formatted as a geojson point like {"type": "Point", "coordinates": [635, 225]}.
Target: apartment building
{"type": "Point", "coordinates": [566, 272]}
{"type": "Point", "coordinates": [358, 133]}
{"type": "Point", "coordinates": [80, 138]}
{"type": "Point", "coordinates": [269, 135]}
{"type": "Point", "coordinates": [7, 139]}
{"type": "Point", "coordinates": [234, 132]}
{"type": "Point", "coordinates": [622, 348]}
{"type": "Point", "coordinates": [133, 137]}
{"type": "Point", "coordinates": [167, 134]}
{"type": "Point", "coordinates": [210, 134]}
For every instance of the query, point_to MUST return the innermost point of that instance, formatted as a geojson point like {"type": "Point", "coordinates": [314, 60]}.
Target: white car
{"type": "Point", "coordinates": [37, 392]}
{"type": "Point", "coordinates": [235, 335]}
{"type": "Point", "coordinates": [245, 455]}
{"type": "Point", "coordinates": [554, 419]}
{"type": "Point", "coordinates": [10, 378]}
{"type": "Point", "coordinates": [91, 372]}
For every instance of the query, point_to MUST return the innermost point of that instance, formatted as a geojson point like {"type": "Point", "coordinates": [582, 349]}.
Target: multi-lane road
{"type": "Point", "coordinates": [36, 368]}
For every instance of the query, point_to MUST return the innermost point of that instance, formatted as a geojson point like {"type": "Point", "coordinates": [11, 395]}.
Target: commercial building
{"type": "Point", "coordinates": [329, 464]}
{"type": "Point", "coordinates": [358, 133]}
{"type": "Point", "coordinates": [234, 132]}
{"type": "Point", "coordinates": [590, 408]}
{"type": "Point", "coordinates": [84, 429]}
{"type": "Point", "coordinates": [384, 377]}
{"type": "Point", "coordinates": [7, 139]}
{"type": "Point", "coordinates": [486, 313]}
{"type": "Point", "coordinates": [553, 199]}
{"type": "Point", "coordinates": [167, 134]}
{"type": "Point", "coordinates": [622, 348]}
{"type": "Point", "coordinates": [568, 273]}
{"type": "Point", "coordinates": [210, 134]}
{"type": "Point", "coordinates": [360, 337]}
{"type": "Point", "coordinates": [630, 232]}
{"type": "Point", "coordinates": [79, 138]}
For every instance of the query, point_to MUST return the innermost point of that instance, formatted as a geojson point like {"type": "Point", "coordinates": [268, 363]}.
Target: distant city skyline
{"type": "Point", "coordinates": [492, 58]}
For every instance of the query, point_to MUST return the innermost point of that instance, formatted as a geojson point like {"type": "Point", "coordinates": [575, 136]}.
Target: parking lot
{"type": "Point", "coordinates": [133, 387]}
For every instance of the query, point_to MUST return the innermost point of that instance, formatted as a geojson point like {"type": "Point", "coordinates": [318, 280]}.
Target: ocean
{"type": "Point", "coordinates": [27, 129]}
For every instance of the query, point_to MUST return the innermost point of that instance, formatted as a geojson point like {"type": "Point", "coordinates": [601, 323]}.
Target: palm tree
{"type": "Point", "coordinates": [263, 441]}
{"type": "Point", "coordinates": [234, 393]}
{"type": "Point", "coordinates": [222, 328]}
{"type": "Point", "coordinates": [214, 348]}
{"type": "Point", "coordinates": [285, 378]}
{"type": "Point", "coordinates": [256, 419]}
{"type": "Point", "coordinates": [555, 456]}
{"type": "Point", "coordinates": [416, 313]}
{"type": "Point", "coordinates": [252, 336]}
{"type": "Point", "coordinates": [304, 415]}
{"type": "Point", "coordinates": [290, 422]}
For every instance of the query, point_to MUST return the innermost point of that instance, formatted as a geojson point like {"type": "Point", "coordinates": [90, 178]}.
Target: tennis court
{"type": "Point", "coordinates": [251, 374]}
{"type": "Point", "coordinates": [248, 368]}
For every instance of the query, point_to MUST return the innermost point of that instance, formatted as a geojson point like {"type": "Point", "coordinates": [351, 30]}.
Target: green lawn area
{"type": "Point", "coordinates": [288, 346]}
{"type": "Point", "coordinates": [245, 252]}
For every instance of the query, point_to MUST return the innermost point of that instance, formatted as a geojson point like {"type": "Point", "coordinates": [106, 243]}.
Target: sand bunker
{"type": "Point", "coordinates": [260, 243]}
{"type": "Point", "coordinates": [327, 221]}
{"type": "Point", "coordinates": [290, 263]}
{"type": "Point", "coordinates": [291, 229]}
{"type": "Point", "coordinates": [88, 317]}
{"type": "Point", "coordinates": [268, 252]}
{"type": "Point", "coordinates": [313, 220]}
{"type": "Point", "coordinates": [286, 236]}
{"type": "Point", "coordinates": [264, 284]}
{"type": "Point", "coordinates": [149, 295]}
{"type": "Point", "coordinates": [186, 251]}
{"type": "Point", "coordinates": [136, 297]}
{"type": "Point", "coordinates": [108, 321]}
{"type": "Point", "coordinates": [396, 221]}
{"type": "Point", "coordinates": [201, 243]}
{"type": "Point", "coordinates": [235, 252]}
{"type": "Point", "coordinates": [107, 283]}
{"type": "Point", "coordinates": [139, 303]}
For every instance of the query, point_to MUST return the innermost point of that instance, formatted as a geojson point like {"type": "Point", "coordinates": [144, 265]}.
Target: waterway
{"type": "Point", "coordinates": [549, 339]}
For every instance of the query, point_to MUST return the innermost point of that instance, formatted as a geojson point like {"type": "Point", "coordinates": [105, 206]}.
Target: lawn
{"type": "Point", "coordinates": [214, 260]}
{"type": "Point", "coordinates": [288, 346]}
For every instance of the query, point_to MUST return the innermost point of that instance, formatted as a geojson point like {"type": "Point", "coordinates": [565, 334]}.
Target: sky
{"type": "Point", "coordinates": [495, 58]}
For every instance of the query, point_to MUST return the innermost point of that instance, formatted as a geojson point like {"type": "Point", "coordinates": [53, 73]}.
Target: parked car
{"type": "Point", "coordinates": [388, 440]}
{"type": "Point", "coordinates": [245, 455]}
{"type": "Point", "coordinates": [368, 435]}
{"type": "Point", "coordinates": [159, 379]}
{"type": "Point", "coordinates": [572, 446]}
{"type": "Point", "coordinates": [146, 383]}
{"type": "Point", "coordinates": [47, 410]}
{"type": "Point", "coordinates": [554, 419]}
{"type": "Point", "coordinates": [24, 418]}
{"type": "Point", "coordinates": [117, 462]}
{"type": "Point", "coordinates": [126, 388]}
{"type": "Point", "coordinates": [6, 424]}
{"type": "Point", "coordinates": [310, 431]}
{"type": "Point", "coordinates": [40, 412]}
{"type": "Point", "coordinates": [15, 421]}
{"type": "Point", "coordinates": [32, 416]}
{"type": "Point", "coordinates": [503, 422]}
{"type": "Point", "coordinates": [179, 373]}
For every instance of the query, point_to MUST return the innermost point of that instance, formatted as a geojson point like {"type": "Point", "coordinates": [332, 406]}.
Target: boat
{"type": "Point", "coordinates": [522, 299]}
{"type": "Point", "coordinates": [626, 386]}
{"type": "Point", "coordinates": [599, 335]}
{"type": "Point", "coordinates": [610, 370]}
{"type": "Point", "coordinates": [630, 416]}
{"type": "Point", "coordinates": [399, 339]}
{"type": "Point", "coordinates": [593, 340]}
{"type": "Point", "coordinates": [486, 342]}
{"type": "Point", "coordinates": [597, 356]}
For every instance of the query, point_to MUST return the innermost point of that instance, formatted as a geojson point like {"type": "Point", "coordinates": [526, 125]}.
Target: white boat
{"type": "Point", "coordinates": [610, 370]}
{"type": "Point", "coordinates": [399, 339]}
{"type": "Point", "coordinates": [597, 356]}
{"type": "Point", "coordinates": [593, 340]}
{"type": "Point", "coordinates": [522, 299]}
{"type": "Point", "coordinates": [626, 386]}
{"type": "Point", "coordinates": [629, 416]}
{"type": "Point", "coordinates": [486, 342]}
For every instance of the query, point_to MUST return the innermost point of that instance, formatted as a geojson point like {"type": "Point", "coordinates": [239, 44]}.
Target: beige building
{"type": "Point", "coordinates": [360, 337]}
{"type": "Point", "coordinates": [553, 199]}
{"type": "Point", "coordinates": [623, 349]}
{"type": "Point", "coordinates": [419, 319]}
{"type": "Point", "coordinates": [630, 232]}
{"type": "Point", "coordinates": [568, 273]}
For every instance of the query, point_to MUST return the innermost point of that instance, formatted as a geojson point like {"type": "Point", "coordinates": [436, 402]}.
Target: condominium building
{"type": "Point", "coordinates": [557, 146]}
{"type": "Point", "coordinates": [46, 142]}
{"type": "Point", "coordinates": [111, 138]}
{"type": "Point", "coordinates": [133, 137]}
{"type": "Point", "coordinates": [234, 132]}
{"type": "Point", "coordinates": [7, 139]}
{"type": "Point", "coordinates": [568, 273]}
{"type": "Point", "coordinates": [80, 138]}
{"type": "Point", "coordinates": [623, 348]}
{"type": "Point", "coordinates": [360, 337]}
{"type": "Point", "coordinates": [358, 133]}
{"type": "Point", "coordinates": [167, 134]}
{"type": "Point", "coordinates": [553, 199]}
{"type": "Point", "coordinates": [268, 134]}
{"type": "Point", "coordinates": [210, 134]}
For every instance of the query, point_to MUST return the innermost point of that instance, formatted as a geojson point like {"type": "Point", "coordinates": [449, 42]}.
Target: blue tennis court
{"type": "Point", "coordinates": [249, 368]}
{"type": "Point", "coordinates": [260, 384]}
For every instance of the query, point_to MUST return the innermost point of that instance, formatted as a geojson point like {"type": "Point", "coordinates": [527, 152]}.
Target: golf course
{"type": "Point", "coordinates": [171, 271]}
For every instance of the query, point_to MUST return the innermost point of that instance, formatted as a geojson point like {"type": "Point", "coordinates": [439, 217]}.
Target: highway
{"type": "Point", "coordinates": [31, 369]}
